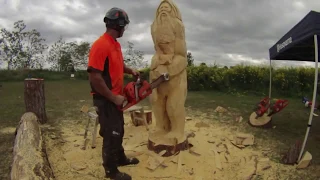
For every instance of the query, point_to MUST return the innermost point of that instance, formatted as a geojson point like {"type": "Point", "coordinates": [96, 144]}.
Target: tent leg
{"type": "Point", "coordinates": [270, 84]}
{"type": "Point", "coordinates": [313, 98]}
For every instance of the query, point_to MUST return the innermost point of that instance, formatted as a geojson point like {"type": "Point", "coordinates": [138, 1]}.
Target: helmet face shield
{"type": "Point", "coordinates": [126, 26]}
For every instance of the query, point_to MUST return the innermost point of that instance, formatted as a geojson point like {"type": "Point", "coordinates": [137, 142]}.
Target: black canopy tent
{"type": "Point", "coordinates": [300, 44]}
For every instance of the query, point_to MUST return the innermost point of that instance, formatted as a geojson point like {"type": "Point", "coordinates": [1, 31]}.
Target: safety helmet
{"type": "Point", "coordinates": [116, 16]}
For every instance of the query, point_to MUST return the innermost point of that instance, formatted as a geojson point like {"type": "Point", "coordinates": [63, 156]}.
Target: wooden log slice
{"type": "Point", "coordinates": [29, 152]}
{"type": "Point", "coordinates": [159, 142]}
{"type": "Point", "coordinates": [264, 121]}
{"type": "Point", "coordinates": [34, 98]}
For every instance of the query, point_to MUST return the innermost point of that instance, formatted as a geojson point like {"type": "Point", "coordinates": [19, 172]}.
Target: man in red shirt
{"type": "Point", "coordinates": [106, 70]}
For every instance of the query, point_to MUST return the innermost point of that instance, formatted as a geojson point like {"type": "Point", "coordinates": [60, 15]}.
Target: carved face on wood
{"type": "Point", "coordinates": [168, 7]}
{"type": "Point", "coordinates": [165, 26]}
{"type": "Point", "coordinates": [164, 9]}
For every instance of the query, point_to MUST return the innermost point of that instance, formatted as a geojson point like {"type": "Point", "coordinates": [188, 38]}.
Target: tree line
{"type": "Point", "coordinates": [27, 49]}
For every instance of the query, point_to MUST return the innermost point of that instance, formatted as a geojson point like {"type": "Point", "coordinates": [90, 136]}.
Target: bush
{"type": "Point", "coordinates": [245, 79]}
{"type": "Point", "coordinates": [252, 79]}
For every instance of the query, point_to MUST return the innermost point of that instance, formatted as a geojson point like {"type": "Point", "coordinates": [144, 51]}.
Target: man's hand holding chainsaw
{"type": "Point", "coordinates": [101, 87]}
{"type": "Point", "coordinates": [98, 82]}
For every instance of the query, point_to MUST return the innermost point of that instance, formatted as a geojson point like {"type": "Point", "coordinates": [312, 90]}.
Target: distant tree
{"type": "Point", "coordinates": [33, 48]}
{"type": "Point", "coordinates": [190, 59]}
{"type": "Point", "coordinates": [11, 44]}
{"type": "Point", "coordinates": [80, 54]}
{"type": "Point", "coordinates": [64, 56]}
{"type": "Point", "coordinates": [134, 58]}
{"type": "Point", "coordinates": [60, 55]}
{"type": "Point", "coordinates": [203, 64]}
{"type": "Point", "coordinates": [20, 48]}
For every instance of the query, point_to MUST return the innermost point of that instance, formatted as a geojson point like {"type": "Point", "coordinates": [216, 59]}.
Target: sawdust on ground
{"type": "Point", "coordinates": [213, 156]}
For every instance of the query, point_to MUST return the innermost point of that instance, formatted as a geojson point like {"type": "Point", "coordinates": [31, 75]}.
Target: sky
{"type": "Point", "coordinates": [225, 32]}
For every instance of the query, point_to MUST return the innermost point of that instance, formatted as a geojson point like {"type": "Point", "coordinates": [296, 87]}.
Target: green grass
{"type": "Point", "coordinates": [63, 101]}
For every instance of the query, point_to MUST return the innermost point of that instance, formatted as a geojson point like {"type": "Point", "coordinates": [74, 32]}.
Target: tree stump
{"type": "Point", "coordinates": [34, 98]}
{"type": "Point", "coordinates": [292, 155]}
{"type": "Point", "coordinates": [29, 153]}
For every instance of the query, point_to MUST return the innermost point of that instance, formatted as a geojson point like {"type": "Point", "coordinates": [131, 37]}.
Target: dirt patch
{"type": "Point", "coordinates": [213, 155]}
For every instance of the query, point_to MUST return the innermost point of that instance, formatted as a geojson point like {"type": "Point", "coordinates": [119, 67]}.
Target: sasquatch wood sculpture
{"type": "Point", "coordinates": [168, 100]}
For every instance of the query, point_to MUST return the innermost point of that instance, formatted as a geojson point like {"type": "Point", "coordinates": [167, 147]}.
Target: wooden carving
{"type": "Point", "coordinates": [168, 100]}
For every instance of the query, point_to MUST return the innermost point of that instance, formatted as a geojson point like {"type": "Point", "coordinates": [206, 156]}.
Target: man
{"type": "Point", "coordinates": [106, 69]}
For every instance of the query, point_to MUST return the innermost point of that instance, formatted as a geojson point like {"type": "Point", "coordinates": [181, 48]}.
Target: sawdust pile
{"type": "Point", "coordinates": [213, 155]}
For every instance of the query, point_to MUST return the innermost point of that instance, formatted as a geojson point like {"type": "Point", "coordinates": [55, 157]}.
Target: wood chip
{"type": "Point", "coordinates": [190, 135]}
{"type": "Point", "coordinates": [243, 139]}
{"type": "Point", "coordinates": [217, 159]}
{"type": "Point", "coordinates": [194, 151]}
{"type": "Point", "coordinates": [78, 166]}
{"type": "Point", "coordinates": [236, 145]}
{"type": "Point", "coordinates": [201, 125]}
{"type": "Point", "coordinates": [188, 118]}
{"type": "Point", "coordinates": [153, 163]}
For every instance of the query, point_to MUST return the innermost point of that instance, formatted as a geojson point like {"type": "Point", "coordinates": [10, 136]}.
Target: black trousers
{"type": "Point", "coordinates": [112, 130]}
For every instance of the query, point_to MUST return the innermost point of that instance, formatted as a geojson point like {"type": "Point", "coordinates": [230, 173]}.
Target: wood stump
{"type": "Point", "coordinates": [264, 121]}
{"type": "Point", "coordinates": [292, 155]}
{"type": "Point", "coordinates": [160, 141]}
{"type": "Point", "coordinates": [29, 153]}
{"type": "Point", "coordinates": [34, 98]}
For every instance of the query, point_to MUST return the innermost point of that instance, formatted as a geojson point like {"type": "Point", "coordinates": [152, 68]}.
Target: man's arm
{"type": "Point", "coordinates": [99, 85]}
{"type": "Point", "coordinates": [97, 57]}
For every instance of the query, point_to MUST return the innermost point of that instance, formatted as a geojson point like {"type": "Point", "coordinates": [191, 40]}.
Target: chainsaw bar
{"type": "Point", "coordinates": [159, 80]}
{"type": "Point", "coordinates": [142, 89]}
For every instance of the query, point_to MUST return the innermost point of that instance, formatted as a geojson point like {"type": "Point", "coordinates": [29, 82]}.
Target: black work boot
{"type": "Point", "coordinates": [128, 161]}
{"type": "Point", "coordinates": [117, 175]}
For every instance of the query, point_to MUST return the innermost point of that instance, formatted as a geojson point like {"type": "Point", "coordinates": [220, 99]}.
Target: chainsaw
{"type": "Point", "coordinates": [140, 89]}
{"type": "Point", "coordinates": [263, 106]}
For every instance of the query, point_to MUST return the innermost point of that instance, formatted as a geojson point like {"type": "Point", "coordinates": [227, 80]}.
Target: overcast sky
{"type": "Point", "coordinates": [227, 32]}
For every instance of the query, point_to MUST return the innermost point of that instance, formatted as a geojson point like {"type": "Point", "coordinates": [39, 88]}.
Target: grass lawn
{"type": "Point", "coordinates": [63, 101]}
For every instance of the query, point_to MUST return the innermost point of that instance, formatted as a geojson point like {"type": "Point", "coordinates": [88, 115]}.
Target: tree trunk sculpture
{"type": "Point", "coordinates": [168, 100]}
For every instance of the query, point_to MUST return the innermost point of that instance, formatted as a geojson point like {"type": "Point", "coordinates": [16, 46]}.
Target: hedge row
{"type": "Point", "coordinates": [250, 79]}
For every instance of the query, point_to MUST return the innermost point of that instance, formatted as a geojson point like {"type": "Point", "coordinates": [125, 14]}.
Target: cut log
{"type": "Point", "coordinates": [34, 98]}
{"type": "Point", "coordinates": [261, 122]}
{"type": "Point", "coordinates": [160, 142]}
{"type": "Point", "coordinates": [29, 153]}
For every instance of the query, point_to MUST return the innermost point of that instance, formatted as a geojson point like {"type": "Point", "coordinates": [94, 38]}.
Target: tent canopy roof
{"type": "Point", "coordinates": [298, 43]}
